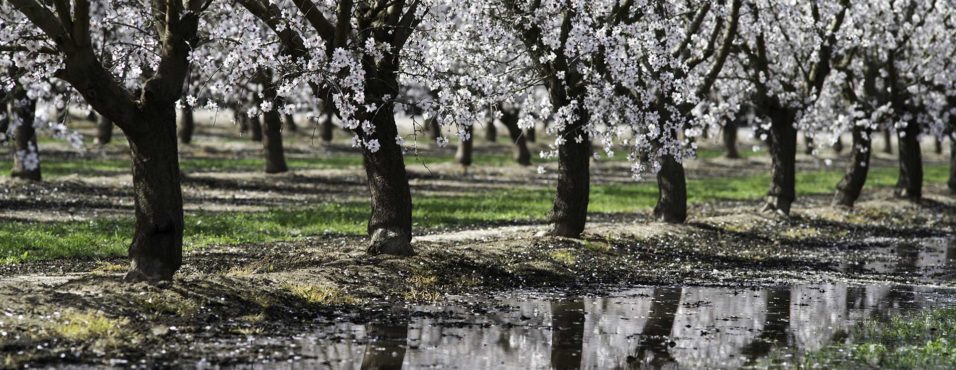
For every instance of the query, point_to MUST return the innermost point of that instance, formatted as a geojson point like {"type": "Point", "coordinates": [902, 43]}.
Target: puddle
{"type": "Point", "coordinates": [658, 327]}
{"type": "Point", "coordinates": [925, 258]}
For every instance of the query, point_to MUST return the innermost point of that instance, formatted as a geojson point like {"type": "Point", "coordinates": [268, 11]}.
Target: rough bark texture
{"type": "Point", "coordinates": [272, 143]}
{"type": "Point", "coordinates": [910, 183]}
{"type": "Point", "coordinates": [509, 119]}
{"type": "Point", "coordinates": [466, 149]}
{"type": "Point", "coordinates": [390, 224]}
{"type": "Point", "coordinates": [567, 334]}
{"type": "Point", "coordinates": [104, 130]}
{"type": "Point", "coordinates": [849, 189]}
{"type": "Point", "coordinates": [569, 212]}
{"type": "Point", "coordinates": [156, 251]}
{"type": "Point", "coordinates": [672, 191]}
{"type": "Point", "coordinates": [23, 110]}
{"type": "Point", "coordinates": [730, 140]}
{"type": "Point", "coordinates": [186, 125]}
{"type": "Point", "coordinates": [783, 151]}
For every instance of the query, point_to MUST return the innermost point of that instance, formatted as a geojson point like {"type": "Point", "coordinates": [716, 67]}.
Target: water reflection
{"type": "Point", "coordinates": [647, 327]}
{"type": "Point", "coordinates": [929, 258]}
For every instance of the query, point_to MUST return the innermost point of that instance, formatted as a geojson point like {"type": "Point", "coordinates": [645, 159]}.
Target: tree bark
{"type": "Point", "coordinates": [156, 251]}
{"type": "Point", "coordinates": [434, 128]}
{"type": "Point", "coordinates": [26, 156]}
{"type": "Point", "coordinates": [910, 182]}
{"type": "Point", "coordinates": [730, 139]}
{"type": "Point", "coordinates": [465, 150]}
{"type": "Point", "coordinates": [952, 163]}
{"type": "Point", "coordinates": [491, 132]}
{"type": "Point", "coordinates": [529, 133]}
{"type": "Point", "coordinates": [808, 140]}
{"type": "Point", "coordinates": [255, 129]}
{"type": "Point", "coordinates": [326, 125]}
{"type": "Point", "coordinates": [849, 189]}
{"type": "Point", "coordinates": [783, 150]}
{"type": "Point", "coordinates": [272, 143]}
{"type": "Point", "coordinates": [672, 191]}
{"type": "Point", "coordinates": [569, 212]}
{"type": "Point", "coordinates": [104, 130]}
{"type": "Point", "coordinates": [887, 141]}
{"type": "Point", "coordinates": [289, 122]}
{"type": "Point", "coordinates": [509, 119]}
{"type": "Point", "coordinates": [187, 125]}
{"type": "Point", "coordinates": [390, 224]}
{"type": "Point", "coordinates": [937, 145]}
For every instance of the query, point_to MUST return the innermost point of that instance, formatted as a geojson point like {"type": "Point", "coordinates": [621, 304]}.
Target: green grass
{"type": "Point", "coordinates": [925, 340]}
{"type": "Point", "coordinates": [25, 241]}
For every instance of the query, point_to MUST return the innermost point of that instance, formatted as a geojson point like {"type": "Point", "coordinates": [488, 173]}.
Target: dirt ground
{"type": "Point", "coordinates": [224, 294]}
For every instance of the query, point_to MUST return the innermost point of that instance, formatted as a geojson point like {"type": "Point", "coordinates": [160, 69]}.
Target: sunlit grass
{"type": "Point", "coordinates": [26, 241]}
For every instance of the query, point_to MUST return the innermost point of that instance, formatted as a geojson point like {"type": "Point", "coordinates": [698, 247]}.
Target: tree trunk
{"type": "Point", "coordinates": [290, 125]}
{"type": "Point", "coordinates": [26, 156]}
{"type": "Point", "coordinates": [783, 151]}
{"type": "Point", "coordinates": [808, 150]}
{"type": "Point", "coordinates": [567, 334]}
{"type": "Point", "coordinates": [156, 250]}
{"type": "Point", "coordinates": [887, 141]}
{"type": "Point", "coordinates": [327, 127]}
{"type": "Point", "coordinates": [522, 155]}
{"type": "Point", "coordinates": [187, 125]}
{"type": "Point", "coordinates": [434, 128]}
{"type": "Point", "coordinates": [491, 132]}
{"type": "Point", "coordinates": [569, 212]}
{"type": "Point", "coordinates": [672, 191]}
{"type": "Point", "coordinates": [255, 129]}
{"type": "Point", "coordinates": [838, 145]}
{"type": "Point", "coordinates": [272, 143]}
{"type": "Point", "coordinates": [530, 134]}
{"type": "Point", "coordinates": [242, 121]}
{"type": "Point", "coordinates": [104, 130]}
{"type": "Point", "coordinates": [910, 183]}
{"type": "Point", "coordinates": [952, 163]}
{"type": "Point", "coordinates": [849, 189]}
{"type": "Point", "coordinates": [730, 139]}
{"type": "Point", "coordinates": [390, 224]}
{"type": "Point", "coordinates": [466, 149]}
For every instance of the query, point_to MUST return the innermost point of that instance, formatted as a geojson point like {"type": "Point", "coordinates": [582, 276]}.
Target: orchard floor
{"type": "Point", "coordinates": [275, 274]}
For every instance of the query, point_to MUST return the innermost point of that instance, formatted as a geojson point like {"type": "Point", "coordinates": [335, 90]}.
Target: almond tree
{"type": "Point", "coordinates": [149, 44]}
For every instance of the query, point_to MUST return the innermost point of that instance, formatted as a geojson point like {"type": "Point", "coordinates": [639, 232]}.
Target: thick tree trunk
{"type": "Point", "coordinates": [849, 189]}
{"type": "Point", "coordinates": [187, 125]}
{"type": "Point", "coordinates": [567, 334]}
{"type": "Point", "coordinates": [569, 212]}
{"type": "Point", "coordinates": [887, 141]}
{"type": "Point", "coordinates": [466, 149]}
{"type": "Point", "coordinates": [434, 128]}
{"type": "Point", "coordinates": [730, 139]}
{"type": "Point", "coordinates": [783, 150]}
{"type": "Point", "coordinates": [255, 129]}
{"type": "Point", "coordinates": [531, 135]}
{"type": "Point", "coordinates": [838, 145]}
{"type": "Point", "coordinates": [952, 164]}
{"type": "Point", "coordinates": [672, 191]}
{"type": "Point", "coordinates": [156, 250]}
{"type": "Point", "coordinates": [327, 127]}
{"type": "Point", "coordinates": [241, 120]}
{"type": "Point", "coordinates": [937, 145]}
{"type": "Point", "coordinates": [289, 122]}
{"type": "Point", "coordinates": [272, 143]}
{"type": "Point", "coordinates": [390, 224]}
{"type": "Point", "coordinates": [491, 132]}
{"type": "Point", "coordinates": [521, 153]}
{"type": "Point", "coordinates": [104, 130]}
{"type": "Point", "coordinates": [910, 183]}
{"type": "Point", "coordinates": [26, 156]}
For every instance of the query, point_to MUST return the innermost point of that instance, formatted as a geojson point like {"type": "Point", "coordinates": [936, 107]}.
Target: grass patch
{"type": "Point", "coordinates": [28, 241]}
{"type": "Point", "coordinates": [94, 328]}
{"type": "Point", "coordinates": [925, 340]}
{"type": "Point", "coordinates": [422, 288]}
{"type": "Point", "coordinates": [321, 294]}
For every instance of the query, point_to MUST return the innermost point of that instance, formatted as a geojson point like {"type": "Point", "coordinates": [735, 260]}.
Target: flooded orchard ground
{"type": "Point", "coordinates": [640, 327]}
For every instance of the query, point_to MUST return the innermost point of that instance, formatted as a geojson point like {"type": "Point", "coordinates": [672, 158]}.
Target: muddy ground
{"type": "Point", "coordinates": [226, 294]}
